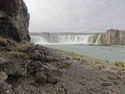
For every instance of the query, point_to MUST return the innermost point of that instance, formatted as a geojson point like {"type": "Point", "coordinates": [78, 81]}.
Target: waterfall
{"type": "Point", "coordinates": [65, 38]}
{"type": "Point", "coordinates": [38, 40]}
{"type": "Point", "coordinates": [74, 39]}
{"type": "Point", "coordinates": [98, 40]}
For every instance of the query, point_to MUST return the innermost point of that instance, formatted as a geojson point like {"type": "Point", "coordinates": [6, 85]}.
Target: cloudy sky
{"type": "Point", "coordinates": [76, 15]}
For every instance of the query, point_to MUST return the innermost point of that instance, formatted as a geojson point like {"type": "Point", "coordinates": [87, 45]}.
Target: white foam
{"type": "Point", "coordinates": [53, 39]}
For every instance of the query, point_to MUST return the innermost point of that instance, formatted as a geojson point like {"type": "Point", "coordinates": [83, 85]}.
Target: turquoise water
{"type": "Point", "coordinates": [108, 53]}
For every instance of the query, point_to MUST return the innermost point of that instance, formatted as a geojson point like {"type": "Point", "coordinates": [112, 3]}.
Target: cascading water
{"type": "Point", "coordinates": [58, 38]}
{"type": "Point", "coordinates": [98, 40]}
{"type": "Point", "coordinates": [74, 39]}
{"type": "Point", "coordinates": [38, 40]}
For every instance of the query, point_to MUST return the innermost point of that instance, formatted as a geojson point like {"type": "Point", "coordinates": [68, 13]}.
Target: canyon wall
{"type": "Point", "coordinates": [113, 37]}
{"type": "Point", "coordinates": [14, 20]}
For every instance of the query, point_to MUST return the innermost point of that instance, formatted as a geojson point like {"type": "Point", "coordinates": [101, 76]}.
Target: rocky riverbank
{"type": "Point", "coordinates": [33, 69]}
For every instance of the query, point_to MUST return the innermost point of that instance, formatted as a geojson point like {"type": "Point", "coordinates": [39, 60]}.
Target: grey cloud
{"type": "Point", "coordinates": [76, 15]}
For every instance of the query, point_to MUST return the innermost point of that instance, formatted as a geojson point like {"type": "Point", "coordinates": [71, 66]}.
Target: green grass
{"type": "Point", "coordinates": [79, 56]}
{"type": "Point", "coordinates": [118, 64]}
{"type": "Point", "coordinates": [22, 46]}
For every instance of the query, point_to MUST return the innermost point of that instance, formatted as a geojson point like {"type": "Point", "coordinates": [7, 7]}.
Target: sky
{"type": "Point", "coordinates": [76, 15]}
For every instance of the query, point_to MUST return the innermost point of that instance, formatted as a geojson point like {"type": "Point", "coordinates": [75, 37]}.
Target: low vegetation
{"type": "Point", "coordinates": [120, 65]}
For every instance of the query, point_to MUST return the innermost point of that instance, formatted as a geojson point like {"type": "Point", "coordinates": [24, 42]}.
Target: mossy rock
{"type": "Point", "coordinates": [23, 45]}
{"type": "Point", "coordinates": [16, 55]}
{"type": "Point", "coordinates": [65, 66]}
{"type": "Point", "coordinates": [119, 64]}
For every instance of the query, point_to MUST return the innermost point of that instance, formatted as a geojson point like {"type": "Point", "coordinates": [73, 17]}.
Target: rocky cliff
{"type": "Point", "coordinates": [111, 37]}
{"type": "Point", "coordinates": [115, 37]}
{"type": "Point", "coordinates": [14, 20]}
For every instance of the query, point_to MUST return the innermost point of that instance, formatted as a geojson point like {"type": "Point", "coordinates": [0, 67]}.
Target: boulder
{"type": "Point", "coordinates": [13, 68]}
{"type": "Point", "coordinates": [43, 73]}
{"type": "Point", "coordinates": [39, 53]}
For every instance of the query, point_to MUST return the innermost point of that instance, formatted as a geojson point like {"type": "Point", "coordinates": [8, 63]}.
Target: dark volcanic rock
{"type": "Point", "coordinates": [13, 68]}
{"type": "Point", "coordinates": [38, 52]}
{"type": "Point", "coordinates": [44, 73]}
{"type": "Point", "coordinates": [14, 20]}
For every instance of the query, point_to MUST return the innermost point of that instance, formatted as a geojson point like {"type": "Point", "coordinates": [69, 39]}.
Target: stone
{"type": "Point", "coordinates": [13, 68]}
{"type": "Point", "coordinates": [40, 78]}
{"type": "Point", "coordinates": [106, 84]}
{"type": "Point", "coordinates": [110, 37]}
{"type": "Point", "coordinates": [53, 74]}
{"type": "Point", "coordinates": [2, 60]}
{"type": "Point", "coordinates": [113, 37]}
{"type": "Point", "coordinates": [44, 73]}
{"type": "Point", "coordinates": [33, 67]}
{"type": "Point", "coordinates": [3, 77]}
{"type": "Point", "coordinates": [38, 52]}
{"type": "Point", "coordinates": [14, 20]}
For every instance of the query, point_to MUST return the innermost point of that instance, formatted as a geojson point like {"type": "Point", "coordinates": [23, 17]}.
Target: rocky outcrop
{"type": "Point", "coordinates": [115, 37]}
{"type": "Point", "coordinates": [111, 37]}
{"type": "Point", "coordinates": [14, 20]}
{"type": "Point", "coordinates": [29, 70]}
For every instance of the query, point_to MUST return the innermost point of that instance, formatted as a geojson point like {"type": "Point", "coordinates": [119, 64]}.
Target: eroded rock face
{"type": "Point", "coordinates": [14, 20]}
{"type": "Point", "coordinates": [112, 37]}
{"type": "Point", "coordinates": [115, 37]}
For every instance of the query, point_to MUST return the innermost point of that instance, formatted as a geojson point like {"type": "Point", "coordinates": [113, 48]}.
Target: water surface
{"type": "Point", "coordinates": [108, 53]}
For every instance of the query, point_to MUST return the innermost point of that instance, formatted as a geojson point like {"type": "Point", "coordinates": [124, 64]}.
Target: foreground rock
{"type": "Point", "coordinates": [61, 73]}
{"type": "Point", "coordinates": [25, 75]}
{"type": "Point", "coordinates": [14, 20]}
